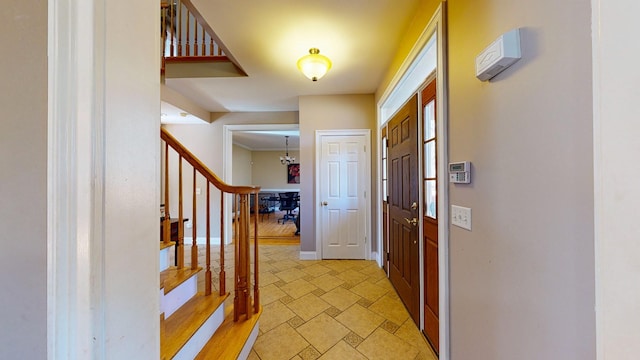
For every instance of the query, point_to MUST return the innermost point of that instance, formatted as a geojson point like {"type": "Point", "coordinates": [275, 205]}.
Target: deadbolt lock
{"type": "Point", "coordinates": [414, 205]}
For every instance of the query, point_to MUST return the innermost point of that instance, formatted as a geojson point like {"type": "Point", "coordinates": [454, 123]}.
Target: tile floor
{"type": "Point", "coordinates": [330, 309]}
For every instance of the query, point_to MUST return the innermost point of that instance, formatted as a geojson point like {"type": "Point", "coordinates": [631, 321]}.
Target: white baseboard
{"type": "Point", "coordinates": [308, 255]}
{"type": "Point", "coordinates": [374, 256]}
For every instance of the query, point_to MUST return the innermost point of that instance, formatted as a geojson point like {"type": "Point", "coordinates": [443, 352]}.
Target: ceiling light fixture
{"type": "Point", "coordinates": [314, 66]}
{"type": "Point", "coordinates": [286, 160]}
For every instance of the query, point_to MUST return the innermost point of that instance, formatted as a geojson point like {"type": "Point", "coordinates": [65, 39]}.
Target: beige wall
{"type": "Point", "coordinates": [325, 113]}
{"type": "Point", "coordinates": [242, 169]}
{"type": "Point", "coordinates": [269, 173]}
{"type": "Point", "coordinates": [205, 141]}
{"type": "Point", "coordinates": [522, 281]}
{"type": "Point", "coordinates": [23, 179]}
{"type": "Point", "coordinates": [121, 303]}
{"type": "Point", "coordinates": [131, 171]}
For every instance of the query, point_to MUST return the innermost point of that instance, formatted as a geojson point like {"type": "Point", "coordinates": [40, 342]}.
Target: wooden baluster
{"type": "Point", "coordinates": [256, 286]}
{"type": "Point", "coordinates": [163, 28]}
{"type": "Point", "coordinates": [211, 47]}
{"type": "Point", "coordinates": [167, 216]}
{"type": "Point", "coordinates": [194, 226]}
{"type": "Point", "coordinates": [180, 244]}
{"type": "Point", "coordinates": [242, 301]}
{"type": "Point", "coordinates": [236, 258]}
{"type": "Point", "coordinates": [204, 42]}
{"type": "Point", "coordinates": [195, 37]}
{"type": "Point", "coordinates": [187, 28]}
{"type": "Point", "coordinates": [172, 25]}
{"type": "Point", "coordinates": [223, 274]}
{"type": "Point", "coordinates": [179, 26]}
{"type": "Point", "coordinates": [207, 274]}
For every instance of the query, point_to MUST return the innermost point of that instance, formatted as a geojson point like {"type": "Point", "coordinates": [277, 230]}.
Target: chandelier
{"type": "Point", "coordinates": [286, 159]}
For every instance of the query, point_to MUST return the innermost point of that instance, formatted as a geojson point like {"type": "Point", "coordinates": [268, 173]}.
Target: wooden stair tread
{"type": "Point", "coordinates": [230, 338]}
{"type": "Point", "coordinates": [183, 324]}
{"type": "Point", "coordinates": [164, 245]}
{"type": "Point", "coordinates": [172, 277]}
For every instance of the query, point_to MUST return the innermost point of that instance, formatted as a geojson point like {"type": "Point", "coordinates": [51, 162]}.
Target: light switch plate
{"type": "Point", "coordinates": [461, 217]}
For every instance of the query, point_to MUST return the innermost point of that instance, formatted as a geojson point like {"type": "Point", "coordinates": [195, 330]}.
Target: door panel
{"type": "Point", "coordinates": [430, 220]}
{"type": "Point", "coordinates": [342, 189]}
{"type": "Point", "coordinates": [403, 181]}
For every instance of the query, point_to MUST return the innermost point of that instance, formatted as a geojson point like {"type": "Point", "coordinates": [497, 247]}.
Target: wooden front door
{"type": "Point", "coordinates": [430, 219]}
{"type": "Point", "coordinates": [403, 206]}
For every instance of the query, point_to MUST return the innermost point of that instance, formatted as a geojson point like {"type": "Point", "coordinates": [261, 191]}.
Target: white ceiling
{"type": "Point", "coordinates": [268, 37]}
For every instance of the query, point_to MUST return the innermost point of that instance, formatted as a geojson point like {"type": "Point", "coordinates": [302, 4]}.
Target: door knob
{"type": "Point", "coordinates": [324, 203]}
{"type": "Point", "coordinates": [413, 222]}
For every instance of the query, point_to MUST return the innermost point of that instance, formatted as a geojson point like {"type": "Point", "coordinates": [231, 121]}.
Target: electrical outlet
{"type": "Point", "coordinates": [188, 224]}
{"type": "Point", "coordinates": [461, 217]}
{"type": "Point", "coordinates": [198, 191]}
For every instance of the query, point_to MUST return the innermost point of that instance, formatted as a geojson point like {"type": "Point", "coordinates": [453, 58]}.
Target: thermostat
{"type": "Point", "coordinates": [460, 172]}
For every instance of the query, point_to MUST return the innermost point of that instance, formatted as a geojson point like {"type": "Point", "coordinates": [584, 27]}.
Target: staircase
{"type": "Point", "coordinates": [198, 318]}
{"type": "Point", "coordinates": [191, 47]}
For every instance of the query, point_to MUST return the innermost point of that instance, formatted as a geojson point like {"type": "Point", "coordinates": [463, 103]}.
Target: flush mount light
{"type": "Point", "coordinates": [314, 66]}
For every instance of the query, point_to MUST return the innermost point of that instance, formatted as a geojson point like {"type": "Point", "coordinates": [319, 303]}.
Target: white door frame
{"type": "Point", "coordinates": [227, 155]}
{"type": "Point", "coordinates": [367, 179]}
{"type": "Point", "coordinates": [435, 27]}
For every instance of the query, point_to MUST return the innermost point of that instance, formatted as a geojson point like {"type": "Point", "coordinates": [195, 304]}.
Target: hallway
{"type": "Point", "coordinates": [330, 309]}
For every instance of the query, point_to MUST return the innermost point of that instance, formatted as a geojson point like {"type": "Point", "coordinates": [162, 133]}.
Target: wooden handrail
{"type": "Point", "coordinates": [244, 305]}
{"type": "Point", "coordinates": [203, 169]}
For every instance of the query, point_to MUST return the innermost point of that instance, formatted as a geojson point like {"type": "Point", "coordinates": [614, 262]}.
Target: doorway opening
{"type": "Point", "coordinates": [261, 138]}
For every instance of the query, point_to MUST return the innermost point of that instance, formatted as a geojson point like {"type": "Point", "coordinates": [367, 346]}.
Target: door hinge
{"type": "Point", "coordinates": [387, 256]}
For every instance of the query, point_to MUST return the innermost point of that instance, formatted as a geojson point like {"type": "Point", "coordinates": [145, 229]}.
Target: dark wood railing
{"type": "Point", "coordinates": [241, 236]}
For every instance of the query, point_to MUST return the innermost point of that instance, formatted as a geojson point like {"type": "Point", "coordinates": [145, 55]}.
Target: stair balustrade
{"type": "Point", "coordinates": [244, 305]}
{"type": "Point", "coordinates": [185, 33]}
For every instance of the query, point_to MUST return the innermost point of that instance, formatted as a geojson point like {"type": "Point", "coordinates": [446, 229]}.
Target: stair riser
{"type": "Point", "coordinates": [200, 338]}
{"type": "Point", "coordinates": [164, 258]}
{"type": "Point", "coordinates": [250, 341]}
{"type": "Point", "coordinates": [172, 301]}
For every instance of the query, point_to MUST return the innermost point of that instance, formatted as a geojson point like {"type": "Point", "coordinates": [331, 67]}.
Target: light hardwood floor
{"type": "Point", "coordinates": [270, 231]}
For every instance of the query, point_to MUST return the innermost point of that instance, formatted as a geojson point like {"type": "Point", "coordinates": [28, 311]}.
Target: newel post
{"type": "Point", "coordinates": [242, 299]}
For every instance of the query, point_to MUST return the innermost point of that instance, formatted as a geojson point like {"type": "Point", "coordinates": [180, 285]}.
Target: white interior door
{"type": "Point", "coordinates": [343, 175]}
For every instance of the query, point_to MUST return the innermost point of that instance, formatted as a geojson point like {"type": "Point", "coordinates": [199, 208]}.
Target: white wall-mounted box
{"type": "Point", "coordinates": [498, 56]}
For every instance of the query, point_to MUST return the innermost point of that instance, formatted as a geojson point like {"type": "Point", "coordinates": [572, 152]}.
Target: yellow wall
{"type": "Point", "coordinates": [415, 28]}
